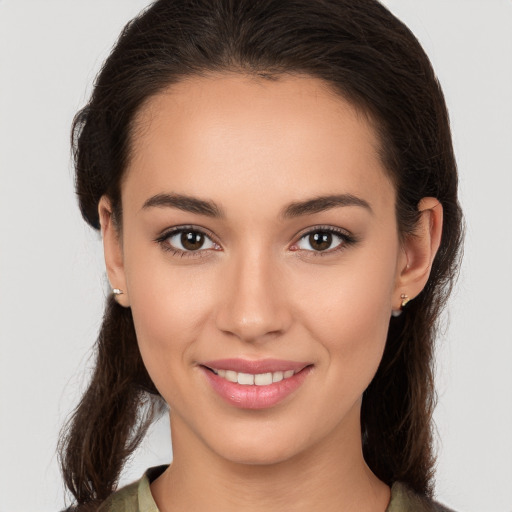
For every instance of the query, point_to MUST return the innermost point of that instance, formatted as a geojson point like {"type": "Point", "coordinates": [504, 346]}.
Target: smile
{"type": "Point", "coordinates": [255, 384]}
{"type": "Point", "coordinates": [251, 379]}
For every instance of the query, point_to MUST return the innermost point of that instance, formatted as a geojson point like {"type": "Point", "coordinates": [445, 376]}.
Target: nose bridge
{"type": "Point", "coordinates": [253, 303]}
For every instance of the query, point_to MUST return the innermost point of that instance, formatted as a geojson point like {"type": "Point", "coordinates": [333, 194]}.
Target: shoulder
{"type": "Point", "coordinates": [123, 500]}
{"type": "Point", "coordinates": [403, 499]}
{"type": "Point", "coordinates": [135, 497]}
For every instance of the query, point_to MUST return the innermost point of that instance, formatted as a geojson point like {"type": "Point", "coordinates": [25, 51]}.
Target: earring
{"type": "Point", "coordinates": [405, 300]}
{"type": "Point", "coordinates": [117, 291]}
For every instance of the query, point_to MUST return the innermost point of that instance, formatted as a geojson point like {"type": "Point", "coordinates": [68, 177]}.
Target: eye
{"type": "Point", "coordinates": [186, 240]}
{"type": "Point", "coordinates": [323, 240]}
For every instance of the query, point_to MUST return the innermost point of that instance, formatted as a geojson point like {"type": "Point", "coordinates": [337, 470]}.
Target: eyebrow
{"type": "Point", "coordinates": [185, 203]}
{"type": "Point", "coordinates": [323, 203]}
{"type": "Point", "coordinates": [296, 209]}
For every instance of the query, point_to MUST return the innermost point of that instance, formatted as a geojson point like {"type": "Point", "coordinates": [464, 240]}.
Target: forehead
{"type": "Point", "coordinates": [293, 136]}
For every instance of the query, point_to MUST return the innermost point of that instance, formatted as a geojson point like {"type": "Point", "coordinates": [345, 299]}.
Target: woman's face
{"type": "Point", "coordinates": [259, 241]}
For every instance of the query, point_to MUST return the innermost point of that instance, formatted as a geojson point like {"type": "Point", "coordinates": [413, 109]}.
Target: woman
{"type": "Point", "coordinates": [277, 194]}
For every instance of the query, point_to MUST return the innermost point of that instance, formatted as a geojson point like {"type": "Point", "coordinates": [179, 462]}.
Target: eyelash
{"type": "Point", "coordinates": [346, 241]}
{"type": "Point", "coordinates": [162, 240]}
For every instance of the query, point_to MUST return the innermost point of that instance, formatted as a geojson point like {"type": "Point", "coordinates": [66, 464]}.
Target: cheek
{"type": "Point", "coordinates": [348, 311]}
{"type": "Point", "coordinates": [170, 307]}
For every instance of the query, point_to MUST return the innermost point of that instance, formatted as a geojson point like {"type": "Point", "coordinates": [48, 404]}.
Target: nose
{"type": "Point", "coordinates": [253, 305]}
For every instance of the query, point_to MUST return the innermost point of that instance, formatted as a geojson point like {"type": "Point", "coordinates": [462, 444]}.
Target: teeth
{"type": "Point", "coordinates": [277, 376]}
{"type": "Point", "coordinates": [231, 376]}
{"type": "Point", "coordinates": [246, 378]}
{"type": "Point", "coordinates": [263, 379]}
{"type": "Point", "coordinates": [259, 379]}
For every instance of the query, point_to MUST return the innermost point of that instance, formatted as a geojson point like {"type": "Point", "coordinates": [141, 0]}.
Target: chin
{"type": "Point", "coordinates": [256, 456]}
{"type": "Point", "coordinates": [263, 447]}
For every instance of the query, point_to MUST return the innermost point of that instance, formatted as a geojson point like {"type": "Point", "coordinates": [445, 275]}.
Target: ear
{"type": "Point", "coordinates": [418, 252]}
{"type": "Point", "coordinates": [113, 251]}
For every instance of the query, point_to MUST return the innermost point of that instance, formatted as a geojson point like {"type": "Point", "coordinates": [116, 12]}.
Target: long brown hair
{"type": "Point", "coordinates": [370, 58]}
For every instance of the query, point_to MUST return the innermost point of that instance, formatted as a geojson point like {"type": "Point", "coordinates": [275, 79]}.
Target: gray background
{"type": "Point", "coordinates": [52, 281]}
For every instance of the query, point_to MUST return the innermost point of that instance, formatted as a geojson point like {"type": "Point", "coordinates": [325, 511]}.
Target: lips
{"type": "Point", "coordinates": [255, 384]}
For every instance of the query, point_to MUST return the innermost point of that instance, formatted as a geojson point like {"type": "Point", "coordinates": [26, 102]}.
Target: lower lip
{"type": "Point", "coordinates": [255, 397]}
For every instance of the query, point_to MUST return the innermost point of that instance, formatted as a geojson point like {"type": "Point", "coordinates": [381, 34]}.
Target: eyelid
{"type": "Point", "coordinates": [169, 232]}
{"type": "Point", "coordinates": [347, 237]}
{"type": "Point", "coordinates": [347, 240]}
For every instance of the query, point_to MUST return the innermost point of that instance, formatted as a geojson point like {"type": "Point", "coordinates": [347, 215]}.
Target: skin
{"type": "Point", "coordinates": [259, 289]}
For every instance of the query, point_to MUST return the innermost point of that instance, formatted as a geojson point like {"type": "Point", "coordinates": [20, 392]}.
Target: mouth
{"type": "Point", "coordinates": [253, 379]}
{"type": "Point", "coordinates": [255, 384]}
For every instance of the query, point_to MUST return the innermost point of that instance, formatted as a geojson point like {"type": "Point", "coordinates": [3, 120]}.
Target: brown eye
{"type": "Point", "coordinates": [187, 240]}
{"type": "Point", "coordinates": [320, 241]}
{"type": "Point", "coordinates": [323, 240]}
{"type": "Point", "coordinates": [192, 240]}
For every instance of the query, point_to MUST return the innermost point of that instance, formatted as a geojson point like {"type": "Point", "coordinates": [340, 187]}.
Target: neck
{"type": "Point", "coordinates": [332, 476]}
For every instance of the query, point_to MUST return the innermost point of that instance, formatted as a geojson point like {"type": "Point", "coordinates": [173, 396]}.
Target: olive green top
{"type": "Point", "coordinates": [137, 497]}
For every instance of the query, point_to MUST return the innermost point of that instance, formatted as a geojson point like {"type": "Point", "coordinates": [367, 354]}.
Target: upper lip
{"type": "Point", "coordinates": [255, 366]}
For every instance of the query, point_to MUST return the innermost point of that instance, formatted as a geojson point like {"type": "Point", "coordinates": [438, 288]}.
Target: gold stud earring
{"type": "Point", "coordinates": [405, 300]}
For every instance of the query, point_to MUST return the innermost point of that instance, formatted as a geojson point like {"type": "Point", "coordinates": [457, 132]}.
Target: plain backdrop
{"type": "Point", "coordinates": [52, 283]}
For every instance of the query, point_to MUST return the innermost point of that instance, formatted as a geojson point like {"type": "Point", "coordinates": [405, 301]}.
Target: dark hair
{"type": "Point", "coordinates": [370, 58]}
